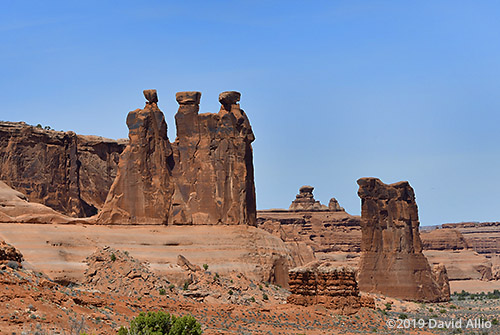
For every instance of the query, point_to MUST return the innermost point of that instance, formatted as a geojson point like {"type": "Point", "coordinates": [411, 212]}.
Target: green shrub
{"type": "Point", "coordinates": [113, 257]}
{"type": "Point", "coordinates": [388, 306]}
{"type": "Point", "coordinates": [265, 297]}
{"type": "Point", "coordinates": [162, 291]}
{"type": "Point", "coordinates": [205, 266]}
{"type": "Point", "coordinates": [186, 285]}
{"type": "Point", "coordinates": [403, 316]}
{"type": "Point", "coordinates": [161, 323]}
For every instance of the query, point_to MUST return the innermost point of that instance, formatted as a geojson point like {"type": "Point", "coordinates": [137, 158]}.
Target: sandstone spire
{"type": "Point", "coordinates": [142, 190]}
{"type": "Point", "coordinates": [213, 163]}
{"type": "Point", "coordinates": [392, 262]}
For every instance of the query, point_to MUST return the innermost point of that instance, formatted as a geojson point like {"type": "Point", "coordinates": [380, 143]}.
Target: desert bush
{"type": "Point", "coordinates": [162, 291]}
{"type": "Point", "coordinates": [161, 323]}
{"type": "Point", "coordinates": [205, 266]}
{"type": "Point", "coordinates": [113, 257]}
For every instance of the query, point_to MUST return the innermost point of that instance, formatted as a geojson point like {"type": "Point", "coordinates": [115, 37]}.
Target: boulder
{"type": "Point", "coordinates": [392, 262]}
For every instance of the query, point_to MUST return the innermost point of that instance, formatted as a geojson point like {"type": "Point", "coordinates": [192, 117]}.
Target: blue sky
{"type": "Point", "coordinates": [335, 90]}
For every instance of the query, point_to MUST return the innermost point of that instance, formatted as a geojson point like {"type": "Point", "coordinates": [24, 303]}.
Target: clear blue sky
{"type": "Point", "coordinates": [335, 90]}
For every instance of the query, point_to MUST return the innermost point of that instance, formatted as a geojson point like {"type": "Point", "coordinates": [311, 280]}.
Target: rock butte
{"type": "Point", "coordinates": [392, 262]}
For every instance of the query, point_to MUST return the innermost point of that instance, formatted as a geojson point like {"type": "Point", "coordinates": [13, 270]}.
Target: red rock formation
{"type": "Point", "coordinates": [9, 254]}
{"type": "Point", "coordinates": [392, 262]}
{"type": "Point", "coordinates": [310, 224]}
{"type": "Point", "coordinates": [320, 283]}
{"type": "Point", "coordinates": [441, 277]}
{"type": "Point", "coordinates": [443, 239]}
{"type": "Point", "coordinates": [142, 190]}
{"type": "Point", "coordinates": [213, 169]}
{"type": "Point", "coordinates": [67, 172]}
{"type": "Point", "coordinates": [482, 237]}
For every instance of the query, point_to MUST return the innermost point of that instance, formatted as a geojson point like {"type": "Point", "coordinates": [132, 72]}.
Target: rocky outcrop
{"type": "Point", "coordinates": [304, 201]}
{"type": "Point", "coordinates": [60, 250]}
{"type": "Point", "coordinates": [142, 190]}
{"type": "Point", "coordinates": [9, 254]}
{"type": "Point", "coordinates": [15, 207]}
{"type": "Point", "coordinates": [320, 283]}
{"type": "Point", "coordinates": [392, 262]}
{"type": "Point", "coordinates": [310, 225]}
{"type": "Point", "coordinates": [443, 239]}
{"type": "Point", "coordinates": [213, 172]}
{"type": "Point", "coordinates": [441, 278]}
{"type": "Point", "coordinates": [64, 171]}
{"type": "Point", "coordinates": [482, 237]}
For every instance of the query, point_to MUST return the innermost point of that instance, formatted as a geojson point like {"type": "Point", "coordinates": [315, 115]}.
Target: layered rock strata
{"type": "Point", "coordinates": [392, 262]}
{"type": "Point", "coordinates": [213, 173]}
{"type": "Point", "coordinates": [142, 190]}
{"type": "Point", "coordinates": [321, 283]}
{"type": "Point", "coordinates": [69, 173]}
{"type": "Point", "coordinates": [309, 225]}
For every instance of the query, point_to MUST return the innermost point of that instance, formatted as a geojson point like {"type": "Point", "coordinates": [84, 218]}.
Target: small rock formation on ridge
{"type": "Point", "coordinates": [392, 262]}
{"type": "Point", "coordinates": [320, 283]}
{"type": "Point", "coordinates": [142, 190]}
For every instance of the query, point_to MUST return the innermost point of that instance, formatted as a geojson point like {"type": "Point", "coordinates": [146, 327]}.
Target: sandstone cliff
{"type": "Point", "coordinates": [142, 190]}
{"type": "Point", "coordinates": [213, 172]}
{"type": "Point", "coordinates": [67, 172]}
{"type": "Point", "coordinates": [321, 283]}
{"type": "Point", "coordinates": [392, 262]}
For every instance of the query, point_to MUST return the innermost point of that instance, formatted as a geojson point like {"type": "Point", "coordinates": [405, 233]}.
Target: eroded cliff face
{"type": "Point", "coordinates": [321, 283]}
{"type": "Point", "coordinates": [143, 188]}
{"type": "Point", "coordinates": [392, 262]}
{"type": "Point", "coordinates": [64, 171]}
{"type": "Point", "coordinates": [213, 171]}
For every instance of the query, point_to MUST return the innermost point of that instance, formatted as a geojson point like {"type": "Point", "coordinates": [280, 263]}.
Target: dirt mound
{"type": "Point", "coordinates": [113, 271]}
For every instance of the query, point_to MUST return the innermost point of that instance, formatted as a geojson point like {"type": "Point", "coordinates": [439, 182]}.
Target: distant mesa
{"type": "Point", "coordinates": [304, 201]}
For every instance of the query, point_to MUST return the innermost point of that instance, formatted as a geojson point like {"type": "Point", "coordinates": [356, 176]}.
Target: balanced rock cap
{"type": "Point", "coordinates": [150, 96]}
{"type": "Point", "coordinates": [188, 98]}
{"type": "Point", "coordinates": [229, 98]}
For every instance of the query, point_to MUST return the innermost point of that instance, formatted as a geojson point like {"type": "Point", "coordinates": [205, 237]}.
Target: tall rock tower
{"type": "Point", "coordinates": [392, 262]}
{"type": "Point", "coordinates": [213, 172]}
{"type": "Point", "coordinates": [142, 190]}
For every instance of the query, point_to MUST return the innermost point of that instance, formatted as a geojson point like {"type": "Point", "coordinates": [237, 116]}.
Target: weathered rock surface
{"type": "Point", "coordinates": [64, 171]}
{"type": "Point", "coordinates": [142, 190]}
{"type": "Point", "coordinates": [482, 237]}
{"type": "Point", "coordinates": [320, 283]}
{"type": "Point", "coordinates": [213, 172]}
{"type": "Point", "coordinates": [309, 225]}
{"type": "Point", "coordinates": [304, 201]}
{"type": "Point", "coordinates": [441, 277]}
{"type": "Point", "coordinates": [15, 207]}
{"type": "Point", "coordinates": [113, 271]}
{"type": "Point", "coordinates": [392, 262]}
{"type": "Point", "coordinates": [9, 254]}
{"type": "Point", "coordinates": [60, 250]}
{"type": "Point", "coordinates": [443, 239]}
